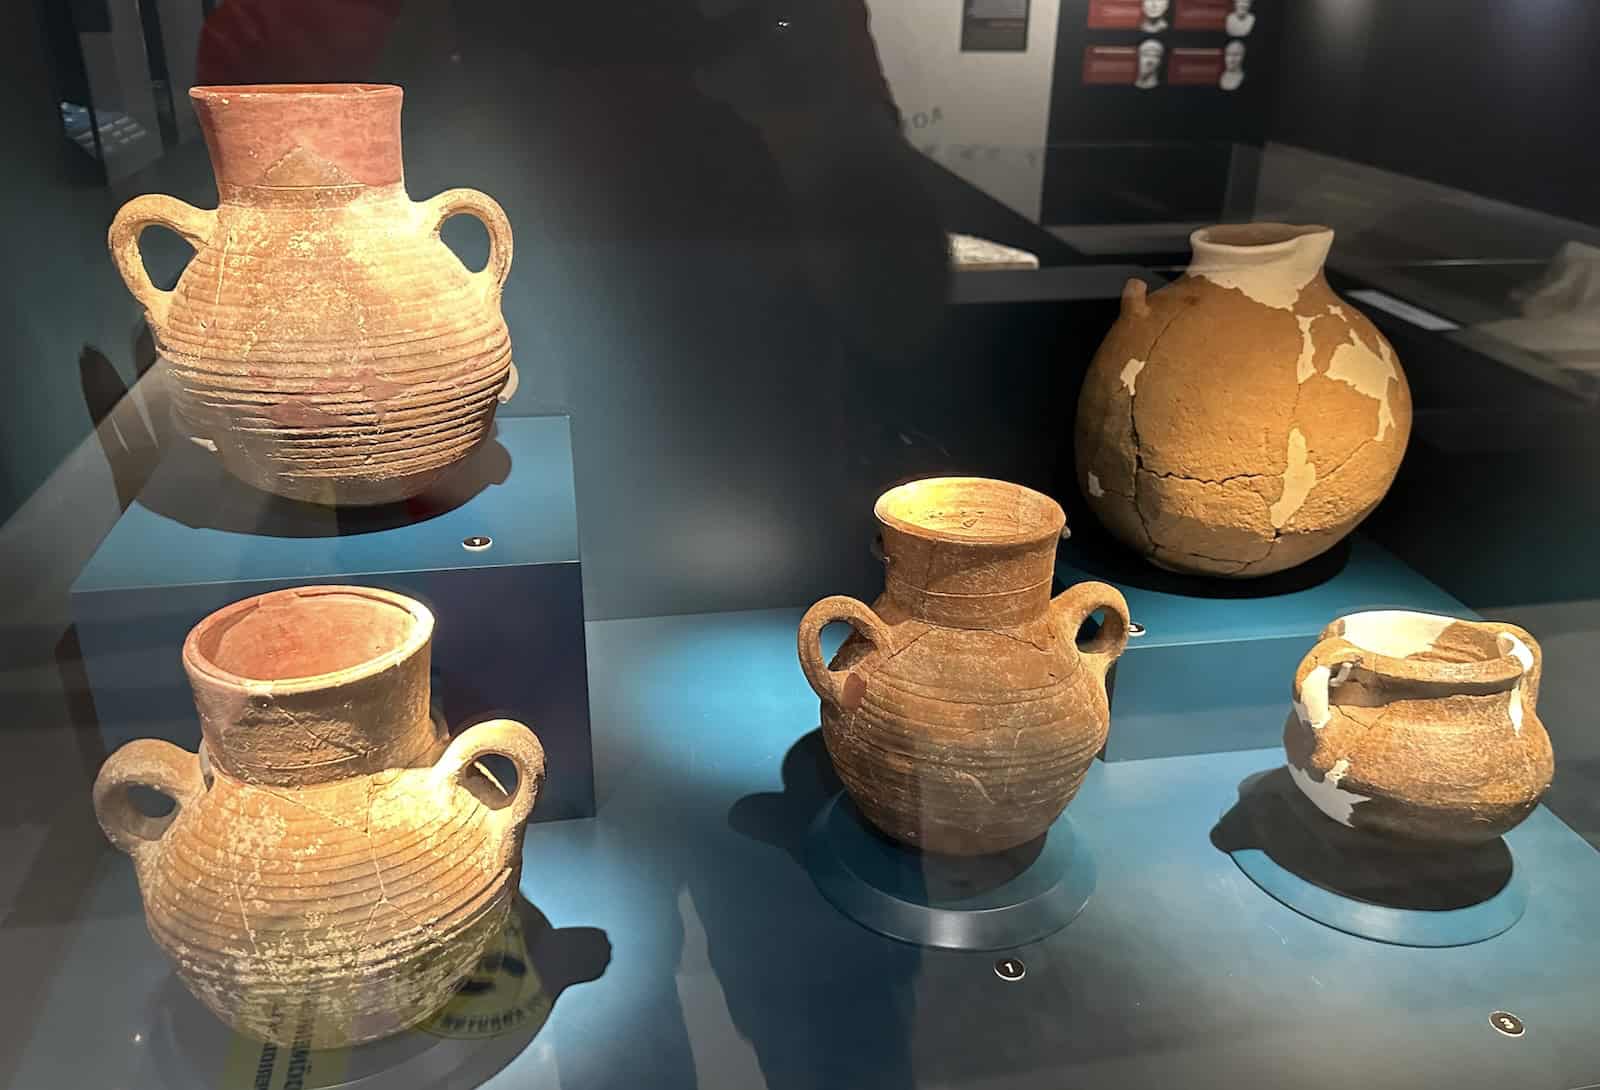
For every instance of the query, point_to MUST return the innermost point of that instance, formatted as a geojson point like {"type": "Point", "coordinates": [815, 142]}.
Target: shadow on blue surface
{"type": "Point", "coordinates": [1364, 884]}
{"type": "Point", "coordinates": [810, 1028]}
{"type": "Point", "coordinates": [196, 491]}
{"type": "Point", "coordinates": [1092, 551]}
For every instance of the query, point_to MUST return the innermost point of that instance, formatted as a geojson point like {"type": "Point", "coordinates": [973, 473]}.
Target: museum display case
{"type": "Point", "coordinates": [856, 543]}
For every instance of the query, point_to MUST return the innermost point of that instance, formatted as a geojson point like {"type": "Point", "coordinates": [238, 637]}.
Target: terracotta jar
{"type": "Point", "coordinates": [1420, 727]}
{"type": "Point", "coordinates": [1244, 418]}
{"type": "Point", "coordinates": [333, 866]}
{"type": "Point", "coordinates": [961, 714]}
{"type": "Point", "coordinates": [323, 340]}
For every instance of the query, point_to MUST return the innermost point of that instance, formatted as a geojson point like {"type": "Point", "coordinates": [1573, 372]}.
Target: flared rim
{"type": "Point", "coordinates": [199, 662]}
{"type": "Point", "coordinates": [1037, 516]}
{"type": "Point", "coordinates": [1503, 668]}
{"type": "Point", "coordinates": [291, 90]}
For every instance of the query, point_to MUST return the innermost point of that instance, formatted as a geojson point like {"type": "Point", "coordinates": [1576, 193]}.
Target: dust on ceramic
{"type": "Point", "coordinates": [323, 341]}
{"type": "Point", "coordinates": [1244, 418]}
{"type": "Point", "coordinates": [961, 714]}
{"type": "Point", "coordinates": [334, 865]}
{"type": "Point", "coordinates": [1420, 727]}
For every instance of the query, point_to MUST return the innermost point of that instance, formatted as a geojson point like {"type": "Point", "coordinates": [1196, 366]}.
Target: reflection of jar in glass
{"type": "Point", "coordinates": [323, 341]}
{"type": "Point", "coordinates": [333, 866]}
{"type": "Point", "coordinates": [961, 714]}
{"type": "Point", "coordinates": [1420, 727]}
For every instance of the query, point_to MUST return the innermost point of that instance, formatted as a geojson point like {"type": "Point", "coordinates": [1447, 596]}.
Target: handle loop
{"type": "Point", "coordinates": [517, 744]}
{"type": "Point", "coordinates": [485, 209]}
{"type": "Point", "coordinates": [153, 210]}
{"type": "Point", "coordinates": [1325, 665]}
{"type": "Point", "coordinates": [841, 688]}
{"type": "Point", "coordinates": [145, 762]}
{"type": "Point", "coordinates": [1073, 606]}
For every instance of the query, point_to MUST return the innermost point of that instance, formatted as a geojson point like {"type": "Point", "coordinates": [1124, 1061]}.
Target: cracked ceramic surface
{"type": "Point", "coordinates": [1243, 419]}
{"type": "Point", "coordinates": [961, 714]}
{"type": "Point", "coordinates": [334, 865]}
{"type": "Point", "coordinates": [1420, 727]}
{"type": "Point", "coordinates": [323, 341]}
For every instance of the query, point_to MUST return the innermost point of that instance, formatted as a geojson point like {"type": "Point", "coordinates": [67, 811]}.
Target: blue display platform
{"type": "Point", "coordinates": [508, 637]}
{"type": "Point", "coordinates": [1363, 884]}
{"type": "Point", "coordinates": [728, 969]}
{"type": "Point", "coordinates": [992, 902]}
{"type": "Point", "coordinates": [1216, 653]}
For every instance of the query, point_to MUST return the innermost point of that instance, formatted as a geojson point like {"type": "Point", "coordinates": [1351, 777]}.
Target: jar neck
{"type": "Point", "coordinates": [964, 584]}
{"type": "Point", "coordinates": [307, 198]}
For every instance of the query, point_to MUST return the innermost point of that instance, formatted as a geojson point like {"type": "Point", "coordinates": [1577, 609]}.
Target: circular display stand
{"type": "Point", "coordinates": [993, 902]}
{"type": "Point", "coordinates": [1362, 884]}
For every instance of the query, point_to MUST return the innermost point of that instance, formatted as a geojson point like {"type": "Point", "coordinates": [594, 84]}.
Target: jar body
{"type": "Point", "coordinates": [336, 353]}
{"type": "Point", "coordinates": [334, 865]}
{"type": "Point", "coordinates": [1243, 419]}
{"type": "Point", "coordinates": [962, 715]}
{"type": "Point", "coordinates": [323, 341]}
{"type": "Point", "coordinates": [1420, 728]}
{"type": "Point", "coordinates": [329, 915]}
{"type": "Point", "coordinates": [969, 741]}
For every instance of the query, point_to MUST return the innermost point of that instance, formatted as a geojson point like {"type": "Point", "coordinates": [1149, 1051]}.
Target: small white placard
{"type": "Point", "coordinates": [1423, 319]}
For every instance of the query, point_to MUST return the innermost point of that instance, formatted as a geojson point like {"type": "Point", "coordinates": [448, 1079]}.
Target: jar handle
{"type": "Point", "coordinates": [511, 740]}
{"type": "Point", "coordinates": [1314, 679]}
{"type": "Point", "coordinates": [145, 762]}
{"type": "Point", "coordinates": [153, 210]}
{"type": "Point", "coordinates": [1072, 607]}
{"type": "Point", "coordinates": [1532, 667]}
{"type": "Point", "coordinates": [486, 210]}
{"type": "Point", "coordinates": [841, 688]}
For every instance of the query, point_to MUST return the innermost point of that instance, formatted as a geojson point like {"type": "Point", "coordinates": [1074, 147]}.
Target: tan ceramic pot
{"type": "Point", "coordinates": [1244, 418]}
{"type": "Point", "coordinates": [1420, 727]}
{"type": "Point", "coordinates": [323, 341]}
{"type": "Point", "coordinates": [961, 714]}
{"type": "Point", "coordinates": [332, 869]}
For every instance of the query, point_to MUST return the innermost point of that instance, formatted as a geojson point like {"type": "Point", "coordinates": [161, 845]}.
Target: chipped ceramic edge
{"type": "Point", "coordinates": [1314, 703]}
{"type": "Point", "coordinates": [1510, 645]}
{"type": "Point", "coordinates": [1095, 488]}
{"type": "Point", "coordinates": [1326, 794]}
{"type": "Point", "coordinates": [1395, 633]}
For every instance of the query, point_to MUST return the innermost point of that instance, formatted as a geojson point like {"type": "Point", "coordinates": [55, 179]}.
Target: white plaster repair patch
{"type": "Point", "coordinates": [1094, 486]}
{"type": "Point", "coordinates": [1303, 368]}
{"type": "Point", "coordinates": [1130, 371]}
{"type": "Point", "coordinates": [1298, 478]}
{"type": "Point", "coordinates": [1510, 645]}
{"type": "Point", "coordinates": [1311, 703]}
{"type": "Point", "coordinates": [1369, 374]}
{"type": "Point", "coordinates": [1272, 275]}
{"type": "Point", "coordinates": [1398, 633]}
{"type": "Point", "coordinates": [1326, 794]}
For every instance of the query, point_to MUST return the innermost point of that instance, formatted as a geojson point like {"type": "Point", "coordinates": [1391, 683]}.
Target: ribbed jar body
{"type": "Point", "coordinates": [971, 740]}
{"type": "Point", "coordinates": [324, 341]}
{"type": "Point", "coordinates": [1421, 728]}
{"type": "Point", "coordinates": [332, 914]}
{"type": "Point", "coordinates": [961, 715]}
{"type": "Point", "coordinates": [333, 865]}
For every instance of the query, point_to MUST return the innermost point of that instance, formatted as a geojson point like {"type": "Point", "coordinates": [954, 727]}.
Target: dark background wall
{"type": "Point", "coordinates": [1492, 97]}
{"type": "Point", "coordinates": [56, 295]}
{"type": "Point", "coordinates": [1163, 154]}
